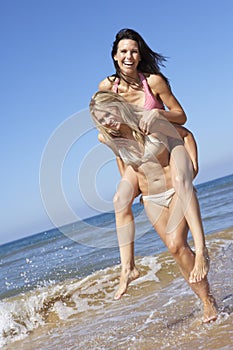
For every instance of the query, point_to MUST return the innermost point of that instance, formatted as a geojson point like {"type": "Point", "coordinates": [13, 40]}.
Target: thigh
{"type": "Point", "coordinates": [180, 163]}
{"type": "Point", "coordinates": [159, 217]}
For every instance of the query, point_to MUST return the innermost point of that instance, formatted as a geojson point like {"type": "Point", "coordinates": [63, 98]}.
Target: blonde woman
{"type": "Point", "coordinates": [147, 157]}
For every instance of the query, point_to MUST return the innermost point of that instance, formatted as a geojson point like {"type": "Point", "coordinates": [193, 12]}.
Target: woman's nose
{"type": "Point", "coordinates": [128, 54]}
{"type": "Point", "coordinates": [106, 121]}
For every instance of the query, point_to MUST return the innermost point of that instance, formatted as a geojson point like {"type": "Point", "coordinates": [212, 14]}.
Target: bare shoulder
{"type": "Point", "coordinates": [106, 84]}
{"type": "Point", "coordinates": [156, 82]}
{"type": "Point", "coordinates": [101, 138]}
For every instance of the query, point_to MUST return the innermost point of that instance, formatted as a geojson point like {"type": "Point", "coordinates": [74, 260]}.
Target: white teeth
{"type": "Point", "coordinates": [113, 122]}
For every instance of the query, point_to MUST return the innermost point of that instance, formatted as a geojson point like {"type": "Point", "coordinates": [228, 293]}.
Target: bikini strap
{"type": "Point", "coordinates": [144, 82]}
{"type": "Point", "coordinates": [115, 86]}
{"type": "Point", "coordinates": [150, 100]}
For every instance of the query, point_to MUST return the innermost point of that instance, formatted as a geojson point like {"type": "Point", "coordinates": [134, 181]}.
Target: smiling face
{"type": "Point", "coordinates": [127, 56]}
{"type": "Point", "coordinates": [109, 119]}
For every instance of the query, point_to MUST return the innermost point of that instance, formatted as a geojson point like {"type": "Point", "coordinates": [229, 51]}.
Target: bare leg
{"type": "Point", "coordinates": [176, 241]}
{"type": "Point", "coordinates": [182, 176]}
{"type": "Point", "coordinates": [126, 192]}
{"type": "Point", "coordinates": [129, 271]}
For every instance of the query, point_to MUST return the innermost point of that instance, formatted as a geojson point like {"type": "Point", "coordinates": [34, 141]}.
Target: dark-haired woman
{"type": "Point", "coordinates": [139, 81]}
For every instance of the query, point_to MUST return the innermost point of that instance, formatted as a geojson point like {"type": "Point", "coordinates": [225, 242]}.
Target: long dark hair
{"type": "Point", "coordinates": [150, 61]}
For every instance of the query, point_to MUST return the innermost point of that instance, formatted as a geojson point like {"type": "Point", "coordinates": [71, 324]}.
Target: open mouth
{"type": "Point", "coordinates": [128, 64]}
{"type": "Point", "coordinates": [112, 124]}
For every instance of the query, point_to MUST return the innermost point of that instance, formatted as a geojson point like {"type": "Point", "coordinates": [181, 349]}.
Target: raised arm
{"type": "Point", "coordinates": [174, 113]}
{"type": "Point", "coordinates": [151, 122]}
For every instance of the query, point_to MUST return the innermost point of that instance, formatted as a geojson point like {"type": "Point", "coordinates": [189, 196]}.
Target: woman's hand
{"type": "Point", "coordinates": [148, 119]}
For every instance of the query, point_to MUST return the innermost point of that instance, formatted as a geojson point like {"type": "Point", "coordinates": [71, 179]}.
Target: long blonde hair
{"type": "Point", "coordinates": [103, 101]}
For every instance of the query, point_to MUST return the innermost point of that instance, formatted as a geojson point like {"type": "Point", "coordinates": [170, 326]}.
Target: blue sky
{"type": "Point", "coordinates": [53, 55]}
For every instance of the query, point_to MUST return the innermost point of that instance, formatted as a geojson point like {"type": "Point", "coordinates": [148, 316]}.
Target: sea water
{"type": "Point", "coordinates": [57, 288]}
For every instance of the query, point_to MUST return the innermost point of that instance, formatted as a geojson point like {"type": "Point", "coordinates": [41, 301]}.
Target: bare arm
{"type": "Point", "coordinates": [105, 84]}
{"type": "Point", "coordinates": [177, 132]}
{"type": "Point", "coordinates": [159, 87]}
{"type": "Point", "coordinates": [157, 123]}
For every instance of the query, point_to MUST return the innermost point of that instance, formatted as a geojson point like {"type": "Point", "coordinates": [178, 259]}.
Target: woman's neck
{"type": "Point", "coordinates": [131, 79]}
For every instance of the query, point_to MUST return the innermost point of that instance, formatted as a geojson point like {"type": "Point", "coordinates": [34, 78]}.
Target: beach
{"type": "Point", "coordinates": [57, 288]}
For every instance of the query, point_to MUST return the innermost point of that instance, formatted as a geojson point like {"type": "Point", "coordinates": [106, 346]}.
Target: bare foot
{"type": "Point", "coordinates": [210, 311]}
{"type": "Point", "coordinates": [201, 267]}
{"type": "Point", "coordinates": [127, 276]}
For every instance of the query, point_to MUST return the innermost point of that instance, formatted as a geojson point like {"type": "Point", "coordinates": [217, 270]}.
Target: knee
{"type": "Point", "coordinates": [122, 203]}
{"type": "Point", "coordinates": [182, 182]}
{"type": "Point", "coordinates": [175, 247]}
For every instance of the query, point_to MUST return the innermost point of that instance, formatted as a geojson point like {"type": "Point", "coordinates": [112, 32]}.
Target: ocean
{"type": "Point", "coordinates": [57, 288]}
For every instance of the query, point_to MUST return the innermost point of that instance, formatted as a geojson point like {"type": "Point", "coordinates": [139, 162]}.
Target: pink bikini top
{"type": "Point", "coordinates": [150, 101]}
